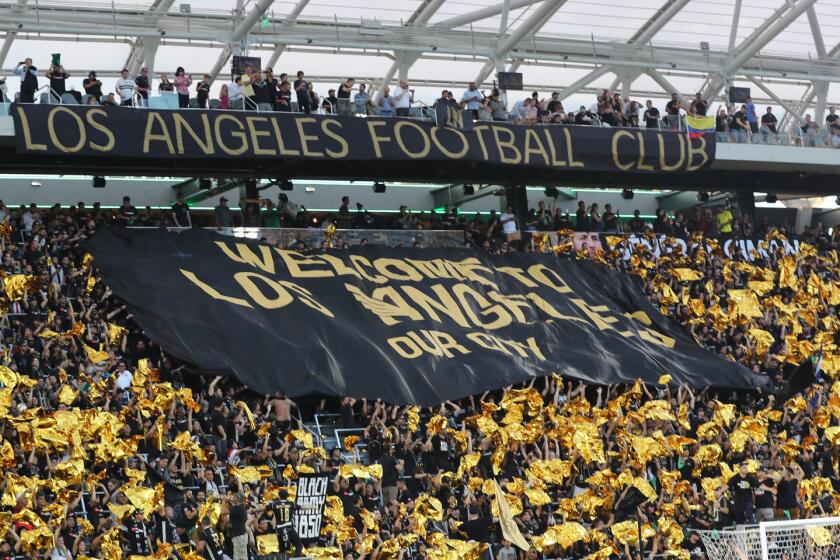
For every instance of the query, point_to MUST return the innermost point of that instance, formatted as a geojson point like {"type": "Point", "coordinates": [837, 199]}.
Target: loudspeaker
{"type": "Point", "coordinates": [510, 80]}
{"type": "Point", "coordinates": [469, 190]}
{"type": "Point", "coordinates": [379, 187]}
{"type": "Point", "coordinates": [739, 94]}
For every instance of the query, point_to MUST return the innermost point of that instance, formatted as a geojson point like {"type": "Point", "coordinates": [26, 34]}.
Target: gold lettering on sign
{"type": "Point", "coordinates": [465, 146]}
{"type": "Point", "coordinates": [569, 150]}
{"type": "Point", "coordinates": [533, 145]}
{"type": "Point", "coordinates": [256, 134]}
{"type": "Point", "coordinates": [96, 125]}
{"type": "Point", "coordinates": [27, 134]}
{"type": "Point", "coordinates": [663, 165]}
{"type": "Point", "coordinates": [508, 144]}
{"type": "Point", "coordinates": [54, 136]}
{"type": "Point", "coordinates": [335, 135]}
{"type": "Point", "coordinates": [281, 145]}
{"type": "Point", "coordinates": [700, 149]}
{"type": "Point", "coordinates": [376, 138]}
{"type": "Point", "coordinates": [618, 135]}
{"type": "Point", "coordinates": [181, 124]}
{"type": "Point", "coordinates": [152, 119]}
{"type": "Point", "coordinates": [398, 134]}
{"type": "Point", "coordinates": [217, 129]}
{"type": "Point", "coordinates": [553, 148]}
{"type": "Point", "coordinates": [305, 138]}
{"type": "Point", "coordinates": [642, 166]}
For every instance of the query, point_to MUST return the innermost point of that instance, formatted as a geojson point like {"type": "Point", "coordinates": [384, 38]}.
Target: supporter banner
{"type": "Point", "coordinates": [144, 133]}
{"type": "Point", "coordinates": [409, 326]}
{"type": "Point", "coordinates": [310, 499]}
{"type": "Point", "coordinates": [733, 248]}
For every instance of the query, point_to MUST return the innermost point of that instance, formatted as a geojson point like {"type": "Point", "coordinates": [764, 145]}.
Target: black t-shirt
{"type": "Point", "coordinates": [552, 105]}
{"type": "Point", "coordinates": [786, 495]}
{"type": "Point", "coordinates": [769, 120]}
{"type": "Point", "coordinates": [284, 100]}
{"type": "Point", "coordinates": [213, 547]}
{"type": "Point", "coordinates": [672, 108]}
{"type": "Point", "coordinates": [284, 512]}
{"type": "Point", "coordinates": [238, 517]}
{"type": "Point", "coordinates": [582, 223]}
{"type": "Point", "coordinates": [342, 94]}
{"type": "Point", "coordinates": [92, 87]}
{"type": "Point", "coordinates": [610, 221]}
{"type": "Point", "coordinates": [137, 537]}
{"type": "Point", "coordinates": [738, 116]}
{"type": "Point", "coordinates": [181, 210]}
{"type": "Point", "coordinates": [203, 89]}
{"type": "Point", "coordinates": [142, 82]}
{"type": "Point", "coordinates": [389, 470]}
{"type": "Point", "coordinates": [764, 498]}
{"type": "Point", "coordinates": [699, 107]}
{"type": "Point", "coordinates": [130, 212]}
{"type": "Point", "coordinates": [831, 119]}
{"type": "Point", "coordinates": [57, 81]}
{"type": "Point", "coordinates": [742, 488]}
{"type": "Point", "coordinates": [651, 117]}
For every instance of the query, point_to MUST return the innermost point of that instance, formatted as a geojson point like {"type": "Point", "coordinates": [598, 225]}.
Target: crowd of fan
{"type": "Point", "coordinates": [261, 90]}
{"type": "Point", "coordinates": [112, 448]}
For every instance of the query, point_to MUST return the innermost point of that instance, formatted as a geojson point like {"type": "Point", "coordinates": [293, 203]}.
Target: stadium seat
{"type": "Point", "coordinates": [164, 100]}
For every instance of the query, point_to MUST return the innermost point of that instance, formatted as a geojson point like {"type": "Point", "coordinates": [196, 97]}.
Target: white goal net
{"type": "Point", "coordinates": [804, 539]}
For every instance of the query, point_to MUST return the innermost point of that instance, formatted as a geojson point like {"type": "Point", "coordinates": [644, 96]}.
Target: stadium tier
{"type": "Point", "coordinates": [252, 315]}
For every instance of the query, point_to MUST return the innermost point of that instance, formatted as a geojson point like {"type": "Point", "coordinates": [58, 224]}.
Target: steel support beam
{"type": "Point", "coordinates": [138, 50]}
{"type": "Point", "coordinates": [790, 110]}
{"type": "Point", "coordinates": [404, 61]}
{"type": "Point", "coordinates": [288, 22]}
{"type": "Point", "coordinates": [766, 32]}
{"type": "Point", "coordinates": [576, 86]}
{"type": "Point", "coordinates": [239, 33]}
{"type": "Point", "coordinates": [733, 29]}
{"type": "Point", "coordinates": [657, 21]}
{"type": "Point", "coordinates": [664, 84]}
{"type": "Point", "coordinates": [454, 194]}
{"type": "Point", "coordinates": [816, 32]}
{"type": "Point", "coordinates": [531, 26]}
{"type": "Point", "coordinates": [480, 14]}
{"type": "Point", "coordinates": [10, 38]}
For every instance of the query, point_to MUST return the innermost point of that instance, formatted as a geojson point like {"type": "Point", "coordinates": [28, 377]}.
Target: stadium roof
{"type": "Point", "coordinates": [788, 52]}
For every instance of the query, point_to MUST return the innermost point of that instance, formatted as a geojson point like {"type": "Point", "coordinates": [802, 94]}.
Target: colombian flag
{"type": "Point", "coordinates": [698, 126]}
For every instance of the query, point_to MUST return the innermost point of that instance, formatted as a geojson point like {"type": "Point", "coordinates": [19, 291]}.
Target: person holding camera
{"type": "Point", "coordinates": [28, 80]}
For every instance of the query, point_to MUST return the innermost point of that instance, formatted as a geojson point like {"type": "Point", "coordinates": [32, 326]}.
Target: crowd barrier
{"type": "Point", "coordinates": [314, 238]}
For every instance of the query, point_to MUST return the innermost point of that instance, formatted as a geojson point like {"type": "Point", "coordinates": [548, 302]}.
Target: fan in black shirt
{"type": "Point", "coordinates": [769, 120]}
{"type": "Point", "coordinates": [136, 535]}
{"type": "Point", "coordinates": [743, 486]}
{"type": "Point", "coordinates": [210, 542]}
{"type": "Point", "coordinates": [651, 115]}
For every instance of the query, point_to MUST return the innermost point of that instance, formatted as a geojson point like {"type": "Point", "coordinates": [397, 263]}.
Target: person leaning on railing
{"type": "Point", "coordinates": [28, 80]}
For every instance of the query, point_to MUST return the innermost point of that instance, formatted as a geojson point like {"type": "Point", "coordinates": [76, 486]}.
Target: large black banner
{"type": "Point", "coordinates": [409, 326]}
{"type": "Point", "coordinates": [63, 130]}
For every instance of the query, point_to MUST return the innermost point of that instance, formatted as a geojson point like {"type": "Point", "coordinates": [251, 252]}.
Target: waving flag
{"type": "Point", "coordinates": [698, 126]}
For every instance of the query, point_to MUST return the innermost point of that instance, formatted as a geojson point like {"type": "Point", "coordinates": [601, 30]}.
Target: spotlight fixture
{"type": "Point", "coordinates": [205, 184]}
{"type": "Point", "coordinates": [551, 192]}
{"type": "Point", "coordinates": [469, 190]}
{"type": "Point", "coordinates": [379, 187]}
{"type": "Point", "coordinates": [98, 182]}
{"type": "Point", "coordinates": [771, 198]}
{"type": "Point", "coordinates": [627, 194]}
{"type": "Point", "coordinates": [285, 185]}
{"type": "Point", "coordinates": [703, 196]}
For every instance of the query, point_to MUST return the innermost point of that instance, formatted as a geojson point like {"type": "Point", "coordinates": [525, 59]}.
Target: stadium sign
{"type": "Point", "coordinates": [61, 130]}
{"type": "Point", "coordinates": [405, 325]}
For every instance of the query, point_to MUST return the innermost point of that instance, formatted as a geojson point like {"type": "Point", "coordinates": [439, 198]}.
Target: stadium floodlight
{"type": "Point", "coordinates": [205, 184]}
{"type": "Point", "coordinates": [703, 196]}
{"type": "Point", "coordinates": [379, 187]}
{"type": "Point", "coordinates": [771, 198]}
{"type": "Point", "coordinates": [551, 192]}
{"type": "Point", "coordinates": [627, 194]}
{"type": "Point", "coordinates": [469, 190]}
{"type": "Point", "coordinates": [285, 184]}
{"type": "Point", "coordinates": [99, 182]}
